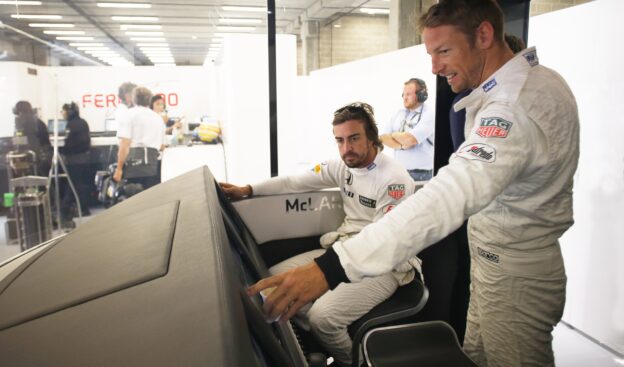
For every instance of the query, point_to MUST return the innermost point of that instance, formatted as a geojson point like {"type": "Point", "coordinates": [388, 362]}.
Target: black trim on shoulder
{"type": "Point", "coordinates": [331, 268]}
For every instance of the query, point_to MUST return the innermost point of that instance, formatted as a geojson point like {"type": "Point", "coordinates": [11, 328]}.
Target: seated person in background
{"type": "Point", "coordinates": [157, 105]}
{"type": "Point", "coordinates": [76, 154]}
{"type": "Point", "coordinates": [29, 125]}
{"type": "Point", "coordinates": [371, 185]}
{"type": "Point", "coordinates": [140, 141]}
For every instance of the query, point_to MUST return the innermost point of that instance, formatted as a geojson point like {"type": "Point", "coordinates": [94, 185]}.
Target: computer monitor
{"type": "Point", "coordinates": [62, 126]}
{"type": "Point", "coordinates": [110, 125]}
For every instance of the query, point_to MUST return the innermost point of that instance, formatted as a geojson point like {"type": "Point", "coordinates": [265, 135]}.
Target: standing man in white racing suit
{"type": "Point", "coordinates": [513, 176]}
{"type": "Point", "coordinates": [371, 185]}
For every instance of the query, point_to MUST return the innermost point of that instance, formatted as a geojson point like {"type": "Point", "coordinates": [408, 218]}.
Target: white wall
{"type": "Point", "coordinates": [17, 84]}
{"type": "Point", "coordinates": [376, 80]}
{"type": "Point", "coordinates": [583, 44]}
{"type": "Point", "coordinates": [190, 88]}
{"type": "Point", "coordinates": [243, 89]}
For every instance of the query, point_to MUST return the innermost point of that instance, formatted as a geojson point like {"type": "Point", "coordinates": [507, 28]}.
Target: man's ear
{"type": "Point", "coordinates": [484, 35]}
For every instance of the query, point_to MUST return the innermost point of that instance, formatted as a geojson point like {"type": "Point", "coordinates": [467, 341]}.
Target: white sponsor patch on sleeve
{"type": "Point", "coordinates": [479, 152]}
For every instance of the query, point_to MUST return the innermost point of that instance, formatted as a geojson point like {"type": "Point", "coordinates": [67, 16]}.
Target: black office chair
{"type": "Point", "coordinates": [407, 301]}
{"type": "Point", "coordinates": [426, 344]}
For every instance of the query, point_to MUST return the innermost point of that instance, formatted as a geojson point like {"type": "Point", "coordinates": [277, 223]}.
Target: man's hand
{"type": "Point", "coordinates": [117, 175]}
{"type": "Point", "coordinates": [294, 289]}
{"type": "Point", "coordinates": [235, 192]}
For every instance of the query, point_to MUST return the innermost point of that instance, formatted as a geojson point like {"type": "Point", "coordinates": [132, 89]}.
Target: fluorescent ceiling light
{"type": "Point", "coordinates": [64, 32]}
{"type": "Point", "coordinates": [256, 9]}
{"type": "Point", "coordinates": [240, 20]}
{"type": "Point", "coordinates": [18, 2]}
{"type": "Point", "coordinates": [373, 11]}
{"type": "Point", "coordinates": [148, 39]}
{"type": "Point", "coordinates": [153, 44]}
{"type": "Point", "coordinates": [50, 25]}
{"type": "Point", "coordinates": [235, 29]}
{"type": "Point", "coordinates": [125, 5]}
{"type": "Point", "coordinates": [93, 48]}
{"type": "Point", "coordinates": [102, 52]}
{"type": "Point", "coordinates": [35, 16]}
{"type": "Point", "coordinates": [86, 44]}
{"type": "Point", "coordinates": [138, 19]}
{"type": "Point", "coordinates": [148, 34]}
{"type": "Point", "coordinates": [74, 38]}
{"type": "Point", "coordinates": [125, 27]}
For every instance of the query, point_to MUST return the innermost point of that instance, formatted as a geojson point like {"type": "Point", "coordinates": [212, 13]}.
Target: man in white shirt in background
{"type": "Point", "coordinates": [371, 184]}
{"type": "Point", "coordinates": [410, 131]}
{"type": "Point", "coordinates": [125, 103]}
{"type": "Point", "coordinates": [140, 140]}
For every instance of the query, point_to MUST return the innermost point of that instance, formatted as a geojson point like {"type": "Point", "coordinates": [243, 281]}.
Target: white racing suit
{"type": "Point", "coordinates": [513, 177]}
{"type": "Point", "coordinates": [367, 193]}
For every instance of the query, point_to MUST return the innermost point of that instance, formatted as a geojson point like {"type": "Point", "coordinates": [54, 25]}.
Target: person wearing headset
{"type": "Point", "coordinates": [157, 104]}
{"type": "Point", "coordinates": [410, 131]}
{"type": "Point", "coordinates": [75, 150]}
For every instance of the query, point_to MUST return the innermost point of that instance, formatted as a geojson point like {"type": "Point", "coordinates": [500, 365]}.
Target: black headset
{"type": "Point", "coordinates": [422, 94]}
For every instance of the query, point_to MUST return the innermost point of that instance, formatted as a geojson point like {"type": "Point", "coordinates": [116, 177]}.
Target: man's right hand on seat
{"type": "Point", "coordinates": [236, 192]}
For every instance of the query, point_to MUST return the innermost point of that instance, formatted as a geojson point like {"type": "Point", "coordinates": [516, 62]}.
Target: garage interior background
{"type": "Point", "coordinates": [580, 42]}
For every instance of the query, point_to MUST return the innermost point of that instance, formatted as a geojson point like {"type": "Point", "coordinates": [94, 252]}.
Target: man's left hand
{"type": "Point", "coordinates": [293, 289]}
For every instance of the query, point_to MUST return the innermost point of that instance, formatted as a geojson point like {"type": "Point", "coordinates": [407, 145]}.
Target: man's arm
{"type": "Point", "coordinates": [122, 154]}
{"type": "Point", "coordinates": [389, 141]}
{"type": "Point", "coordinates": [406, 139]}
{"type": "Point", "coordinates": [473, 178]}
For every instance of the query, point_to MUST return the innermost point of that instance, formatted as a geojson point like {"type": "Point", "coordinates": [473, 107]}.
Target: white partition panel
{"type": "Point", "coordinates": [583, 44]}
{"type": "Point", "coordinates": [243, 105]}
{"type": "Point", "coordinates": [20, 81]}
{"type": "Point", "coordinates": [377, 80]}
{"type": "Point", "coordinates": [188, 90]}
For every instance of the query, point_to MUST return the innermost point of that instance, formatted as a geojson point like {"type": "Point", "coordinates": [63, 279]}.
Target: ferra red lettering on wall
{"type": "Point", "coordinates": [99, 100]}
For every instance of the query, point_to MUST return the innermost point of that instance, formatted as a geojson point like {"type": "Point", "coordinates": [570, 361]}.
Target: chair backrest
{"type": "Point", "coordinates": [431, 343]}
{"type": "Point", "coordinates": [407, 301]}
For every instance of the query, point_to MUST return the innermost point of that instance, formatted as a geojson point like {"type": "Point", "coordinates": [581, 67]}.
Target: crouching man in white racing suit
{"type": "Point", "coordinates": [371, 185]}
{"type": "Point", "coordinates": [513, 177]}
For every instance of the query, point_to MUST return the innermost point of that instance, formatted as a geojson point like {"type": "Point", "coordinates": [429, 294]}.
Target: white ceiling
{"type": "Point", "coordinates": [188, 26]}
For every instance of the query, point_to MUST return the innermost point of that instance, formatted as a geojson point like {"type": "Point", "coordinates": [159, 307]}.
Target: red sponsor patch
{"type": "Point", "coordinates": [387, 208]}
{"type": "Point", "coordinates": [396, 191]}
{"type": "Point", "coordinates": [494, 127]}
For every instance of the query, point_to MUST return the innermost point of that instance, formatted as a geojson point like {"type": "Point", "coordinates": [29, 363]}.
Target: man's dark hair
{"type": "Point", "coordinates": [23, 108]}
{"type": "Point", "coordinates": [155, 98]}
{"type": "Point", "coordinates": [141, 96]}
{"type": "Point", "coordinates": [124, 89]}
{"type": "Point", "coordinates": [466, 15]}
{"type": "Point", "coordinates": [362, 112]}
{"type": "Point", "coordinates": [515, 44]}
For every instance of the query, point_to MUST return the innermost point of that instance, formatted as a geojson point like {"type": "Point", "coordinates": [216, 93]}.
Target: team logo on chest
{"type": "Point", "coordinates": [396, 191]}
{"type": "Point", "coordinates": [349, 179]}
{"type": "Point", "coordinates": [367, 202]}
{"type": "Point", "coordinates": [494, 127]}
